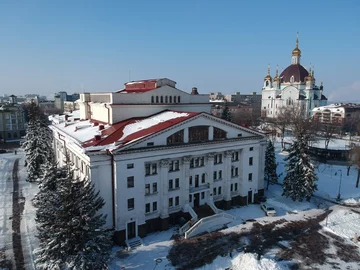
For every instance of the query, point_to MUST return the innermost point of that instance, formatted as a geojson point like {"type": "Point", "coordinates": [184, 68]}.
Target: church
{"type": "Point", "coordinates": [296, 86]}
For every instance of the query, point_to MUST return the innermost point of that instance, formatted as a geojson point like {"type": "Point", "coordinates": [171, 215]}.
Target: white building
{"type": "Point", "coordinates": [156, 154]}
{"type": "Point", "coordinates": [295, 85]}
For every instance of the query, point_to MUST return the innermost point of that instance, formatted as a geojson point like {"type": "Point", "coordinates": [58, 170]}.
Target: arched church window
{"type": "Point", "coordinates": [166, 99]}
{"type": "Point", "coordinates": [161, 99]}
{"type": "Point", "coordinates": [198, 134]}
{"type": "Point", "coordinates": [152, 99]}
{"type": "Point", "coordinates": [219, 134]}
{"type": "Point", "coordinates": [174, 99]}
{"type": "Point", "coordinates": [157, 99]}
{"type": "Point", "coordinates": [267, 83]}
{"type": "Point", "coordinates": [178, 99]}
{"type": "Point", "coordinates": [176, 138]}
{"type": "Point", "coordinates": [292, 79]}
{"type": "Point", "coordinates": [170, 99]}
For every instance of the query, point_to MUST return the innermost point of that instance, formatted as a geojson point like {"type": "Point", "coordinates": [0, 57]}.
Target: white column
{"type": "Point", "coordinates": [185, 173]}
{"type": "Point", "coordinates": [210, 180]}
{"type": "Point", "coordinates": [227, 171]}
{"type": "Point", "coordinates": [186, 135]}
{"type": "Point", "coordinates": [164, 186]}
{"type": "Point", "coordinates": [211, 133]}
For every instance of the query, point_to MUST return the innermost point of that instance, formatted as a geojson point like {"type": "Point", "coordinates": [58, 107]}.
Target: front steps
{"type": "Point", "coordinates": [133, 243]}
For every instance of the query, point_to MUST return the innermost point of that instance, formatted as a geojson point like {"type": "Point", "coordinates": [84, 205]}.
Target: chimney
{"type": "Point", "coordinates": [66, 117]}
{"type": "Point", "coordinates": [194, 91]}
{"type": "Point", "coordinates": [101, 127]}
{"type": "Point", "coordinates": [97, 137]}
{"type": "Point", "coordinates": [96, 124]}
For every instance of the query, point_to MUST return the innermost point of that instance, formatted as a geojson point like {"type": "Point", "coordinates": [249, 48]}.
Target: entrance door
{"type": "Point", "coordinates": [131, 230]}
{"type": "Point", "coordinates": [196, 200]}
{"type": "Point", "coordinates": [250, 196]}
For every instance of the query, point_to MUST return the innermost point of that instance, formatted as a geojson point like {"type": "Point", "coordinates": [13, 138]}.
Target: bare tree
{"type": "Point", "coordinates": [281, 122]}
{"type": "Point", "coordinates": [327, 132]}
{"type": "Point", "coordinates": [355, 160]}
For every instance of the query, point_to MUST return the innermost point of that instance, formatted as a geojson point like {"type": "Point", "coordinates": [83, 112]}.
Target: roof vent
{"type": "Point", "coordinates": [97, 137]}
{"type": "Point", "coordinates": [96, 124]}
{"type": "Point", "coordinates": [101, 127]}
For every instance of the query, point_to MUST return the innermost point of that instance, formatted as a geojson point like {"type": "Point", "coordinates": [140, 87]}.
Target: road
{"type": "Point", "coordinates": [17, 226]}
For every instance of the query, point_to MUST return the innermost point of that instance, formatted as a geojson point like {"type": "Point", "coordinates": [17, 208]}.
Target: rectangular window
{"type": "Point", "coordinates": [220, 158]}
{"type": "Point", "coordinates": [192, 163]}
{"type": "Point", "coordinates": [177, 165]}
{"type": "Point", "coordinates": [170, 202]}
{"type": "Point", "coordinates": [171, 184]}
{"type": "Point", "coordinates": [150, 144]}
{"type": "Point", "coordinates": [214, 175]}
{"type": "Point", "coordinates": [236, 186]}
{"type": "Point", "coordinates": [239, 135]}
{"type": "Point", "coordinates": [147, 189]}
{"type": "Point", "coordinates": [203, 178]}
{"type": "Point", "coordinates": [153, 168]}
{"type": "Point", "coordinates": [202, 195]}
{"type": "Point", "coordinates": [231, 187]}
{"type": "Point", "coordinates": [154, 206]}
{"type": "Point", "coordinates": [131, 204]}
{"type": "Point", "coordinates": [190, 180]}
{"type": "Point", "coordinates": [147, 208]}
{"type": "Point", "coordinates": [251, 149]}
{"type": "Point", "coordinates": [219, 190]}
{"type": "Point", "coordinates": [220, 174]}
{"type": "Point", "coordinates": [214, 191]}
{"type": "Point", "coordinates": [196, 179]}
{"type": "Point", "coordinates": [177, 182]}
{"type": "Point", "coordinates": [250, 177]}
{"type": "Point", "coordinates": [236, 171]}
{"type": "Point", "coordinates": [130, 182]}
{"type": "Point", "coordinates": [190, 198]}
{"type": "Point", "coordinates": [130, 165]}
{"type": "Point", "coordinates": [196, 162]}
{"type": "Point", "coordinates": [202, 161]}
{"type": "Point", "coordinates": [171, 166]}
{"type": "Point", "coordinates": [250, 161]}
{"type": "Point", "coordinates": [177, 200]}
{"type": "Point", "coordinates": [154, 187]}
{"type": "Point", "coordinates": [147, 169]}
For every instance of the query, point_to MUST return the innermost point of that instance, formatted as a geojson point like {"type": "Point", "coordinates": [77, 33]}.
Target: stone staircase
{"type": "Point", "coordinates": [133, 243]}
{"type": "Point", "coordinates": [204, 211]}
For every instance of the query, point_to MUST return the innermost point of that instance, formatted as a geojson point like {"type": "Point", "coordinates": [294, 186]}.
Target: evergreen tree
{"type": "Point", "coordinates": [69, 226]}
{"type": "Point", "coordinates": [226, 115]}
{"type": "Point", "coordinates": [300, 180]}
{"type": "Point", "coordinates": [270, 165]}
{"type": "Point", "coordinates": [37, 144]}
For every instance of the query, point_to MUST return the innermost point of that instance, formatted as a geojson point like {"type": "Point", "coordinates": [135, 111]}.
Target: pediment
{"type": "Point", "coordinates": [199, 121]}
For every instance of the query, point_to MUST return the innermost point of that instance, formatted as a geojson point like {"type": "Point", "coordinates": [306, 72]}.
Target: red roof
{"type": "Point", "coordinates": [116, 131]}
{"type": "Point", "coordinates": [136, 90]}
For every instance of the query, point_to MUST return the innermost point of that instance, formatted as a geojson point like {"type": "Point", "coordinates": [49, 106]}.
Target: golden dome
{"type": "Point", "coordinates": [268, 77]}
{"type": "Point", "coordinates": [277, 78]}
{"type": "Point", "coordinates": [296, 51]}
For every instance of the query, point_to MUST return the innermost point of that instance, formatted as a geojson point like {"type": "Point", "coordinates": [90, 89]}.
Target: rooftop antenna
{"type": "Point", "coordinates": [129, 76]}
{"type": "Point", "coordinates": [82, 87]}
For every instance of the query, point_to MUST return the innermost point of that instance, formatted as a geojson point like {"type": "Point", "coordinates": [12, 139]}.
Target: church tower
{"type": "Point", "coordinates": [296, 53]}
{"type": "Point", "coordinates": [268, 80]}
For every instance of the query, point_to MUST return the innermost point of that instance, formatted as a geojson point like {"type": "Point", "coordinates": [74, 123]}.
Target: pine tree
{"type": "Point", "coordinates": [37, 144]}
{"type": "Point", "coordinates": [300, 180]}
{"type": "Point", "coordinates": [270, 165]}
{"type": "Point", "coordinates": [69, 226]}
{"type": "Point", "coordinates": [226, 115]}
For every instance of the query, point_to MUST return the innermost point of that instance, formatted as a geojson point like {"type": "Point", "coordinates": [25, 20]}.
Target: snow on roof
{"type": "Point", "coordinates": [60, 118]}
{"type": "Point", "coordinates": [122, 133]}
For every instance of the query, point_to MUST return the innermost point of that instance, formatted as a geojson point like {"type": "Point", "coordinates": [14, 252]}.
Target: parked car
{"type": "Point", "coordinates": [269, 211]}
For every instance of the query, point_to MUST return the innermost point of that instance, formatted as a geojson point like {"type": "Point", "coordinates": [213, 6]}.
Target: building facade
{"type": "Point", "coordinates": [155, 153]}
{"type": "Point", "coordinates": [12, 121]}
{"type": "Point", "coordinates": [295, 86]}
{"type": "Point", "coordinates": [338, 114]}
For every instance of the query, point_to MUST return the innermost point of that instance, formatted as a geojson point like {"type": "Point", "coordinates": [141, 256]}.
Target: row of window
{"type": "Point", "coordinates": [166, 99]}
{"type": "Point", "coordinates": [196, 177]}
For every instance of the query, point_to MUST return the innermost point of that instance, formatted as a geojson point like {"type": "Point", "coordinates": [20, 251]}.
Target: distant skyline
{"type": "Point", "coordinates": [216, 46]}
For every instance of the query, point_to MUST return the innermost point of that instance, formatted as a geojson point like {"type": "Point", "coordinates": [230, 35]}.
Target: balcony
{"type": "Point", "coordinates": [202, 187]}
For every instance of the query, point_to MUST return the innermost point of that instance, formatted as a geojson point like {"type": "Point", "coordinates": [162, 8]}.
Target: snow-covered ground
{"type": "Point", "coordinates": [342, 221]}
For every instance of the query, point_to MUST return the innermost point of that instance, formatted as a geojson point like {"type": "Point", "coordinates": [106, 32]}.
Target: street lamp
{"type": "Point", "coordinates": [338, 196]}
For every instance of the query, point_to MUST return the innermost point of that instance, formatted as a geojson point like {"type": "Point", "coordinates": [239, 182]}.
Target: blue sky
{"type": "Point", "coordinates": [217, 46]}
